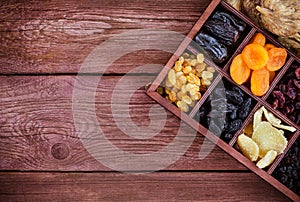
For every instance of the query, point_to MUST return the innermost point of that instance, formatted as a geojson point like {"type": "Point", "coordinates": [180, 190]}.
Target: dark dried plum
{"type": "Point", "coordinates": [234, 97]}
{"type": "Point", "coordinates": [217, 51]}
{"type": "Point", "coordinates": [226, 34]}
{"type": "Point", "coordinates": [245, 108]}
{"type": "Point", "coordinates": [229, 19]}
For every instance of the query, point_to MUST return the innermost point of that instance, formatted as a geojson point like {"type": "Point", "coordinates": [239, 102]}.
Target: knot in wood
{"type": "Point", "coordinates": [60, 151]}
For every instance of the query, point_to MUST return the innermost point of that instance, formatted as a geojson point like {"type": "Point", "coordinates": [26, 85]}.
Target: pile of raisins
{"type": "Point", "coordinates": [288, 170]}
{"type": "Point", "coordinates": [225, 110]}
{"type": "Point", "coordinates": [286, 95]}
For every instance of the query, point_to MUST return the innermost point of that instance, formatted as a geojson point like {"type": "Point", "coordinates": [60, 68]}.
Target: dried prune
{"type": "Point", "coordinates": [234, 97]}
{"type": "Point", "coordinates": [245, 108]}
{"type": "Point", "coordinates": [229, 19]}
{"type": "Point", "coordinates": [216, 50]}
{"type": "Point", "coordinates": [225, 33]}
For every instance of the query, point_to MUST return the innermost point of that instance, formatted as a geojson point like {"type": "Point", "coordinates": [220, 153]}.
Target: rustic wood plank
{"type": "Point", "coordinates": [36, 114]}
{"type": "Point", "coordinates": [174, 186]}
{"type": "Point", "coordinates": [56, 36]}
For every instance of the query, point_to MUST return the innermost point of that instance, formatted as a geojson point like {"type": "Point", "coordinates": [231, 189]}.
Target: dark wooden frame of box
{"type": "Point", "coordinates": [261, 101]}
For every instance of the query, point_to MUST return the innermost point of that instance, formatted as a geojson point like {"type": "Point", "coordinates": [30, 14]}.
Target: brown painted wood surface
{"type": "Point", "coordinates": [56, 36]}
{"type": "Point", "coordinates": [161, 186]}
{"type": "Point", "coordinates": [42, 46]}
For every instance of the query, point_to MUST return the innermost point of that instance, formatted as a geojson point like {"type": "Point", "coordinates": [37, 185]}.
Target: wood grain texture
{"type": "Point", "coordinates": [174, 186]}
{"type": "Point", "coordinates": [36, 114]}
{"type": "Point", "coordinates": [56, 36]}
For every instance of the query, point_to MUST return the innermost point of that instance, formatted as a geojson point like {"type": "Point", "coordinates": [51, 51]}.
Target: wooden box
{"type": "Point", "coordinates": [222, 70]}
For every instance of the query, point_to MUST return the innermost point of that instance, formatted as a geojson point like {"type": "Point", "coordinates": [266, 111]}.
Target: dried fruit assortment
{"type": "Point", "coordinates": [219, 34]}
{"type": "Point", "coordinates": [264, 140]}
{"type": "Point", "coordinates": [258, 61]}
{"type": "Point", "coordinates": [187, 81]}
{"type": "Point", "coordinates": [286, 95]}
{"type": "Point", "coordinates": [224, 112]}
{"type": "Point", "coordinates": [245, 57]}
{"type": "Point", "coordinates": [288, 170]}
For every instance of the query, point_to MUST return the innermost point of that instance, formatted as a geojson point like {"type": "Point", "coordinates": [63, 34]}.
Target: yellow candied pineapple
{"type": "Point", "coordinates": [248, 147]}
{"type": "Point", "coordinates": [269, 138]}
{"type": "Point", "coordinates": [267, 159]}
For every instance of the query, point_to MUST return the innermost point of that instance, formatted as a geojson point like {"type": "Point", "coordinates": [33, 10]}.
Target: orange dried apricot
{"type": "Point", "coordinates": [260, 81]}
{"type": "Point", "coordinates": [268, 46]}
{"type": "Point", "coordinates": [277, 57]}
{"type": "Point", "coordinates": [259, 39]}
{"type": "Point", "coordinates": [272, 76]}
{"type": "Point", "coordinates": [255, 56]}
{"type": "Point", "coordinates": [239, 71]}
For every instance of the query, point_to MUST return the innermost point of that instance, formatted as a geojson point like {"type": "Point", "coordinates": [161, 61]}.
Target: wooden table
{"type": "Point", "coordinates": [42, 47]}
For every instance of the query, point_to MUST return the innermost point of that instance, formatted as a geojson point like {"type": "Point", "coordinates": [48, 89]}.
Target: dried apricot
{"type": "Point", "coordinates": [277, 57]}
{"type": "Point", "coordinates": [239, 71]}
{"type": "Point", "coordinates": [268, 46]}
{"type": "Point", "coordinates": [255, 56]}
{"type": "Point", "coordinates": [259, 38]}
{"type": "Point", "coordinates": [272, 76]}
{"type": "Point", "coordinates": [260, 81]}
